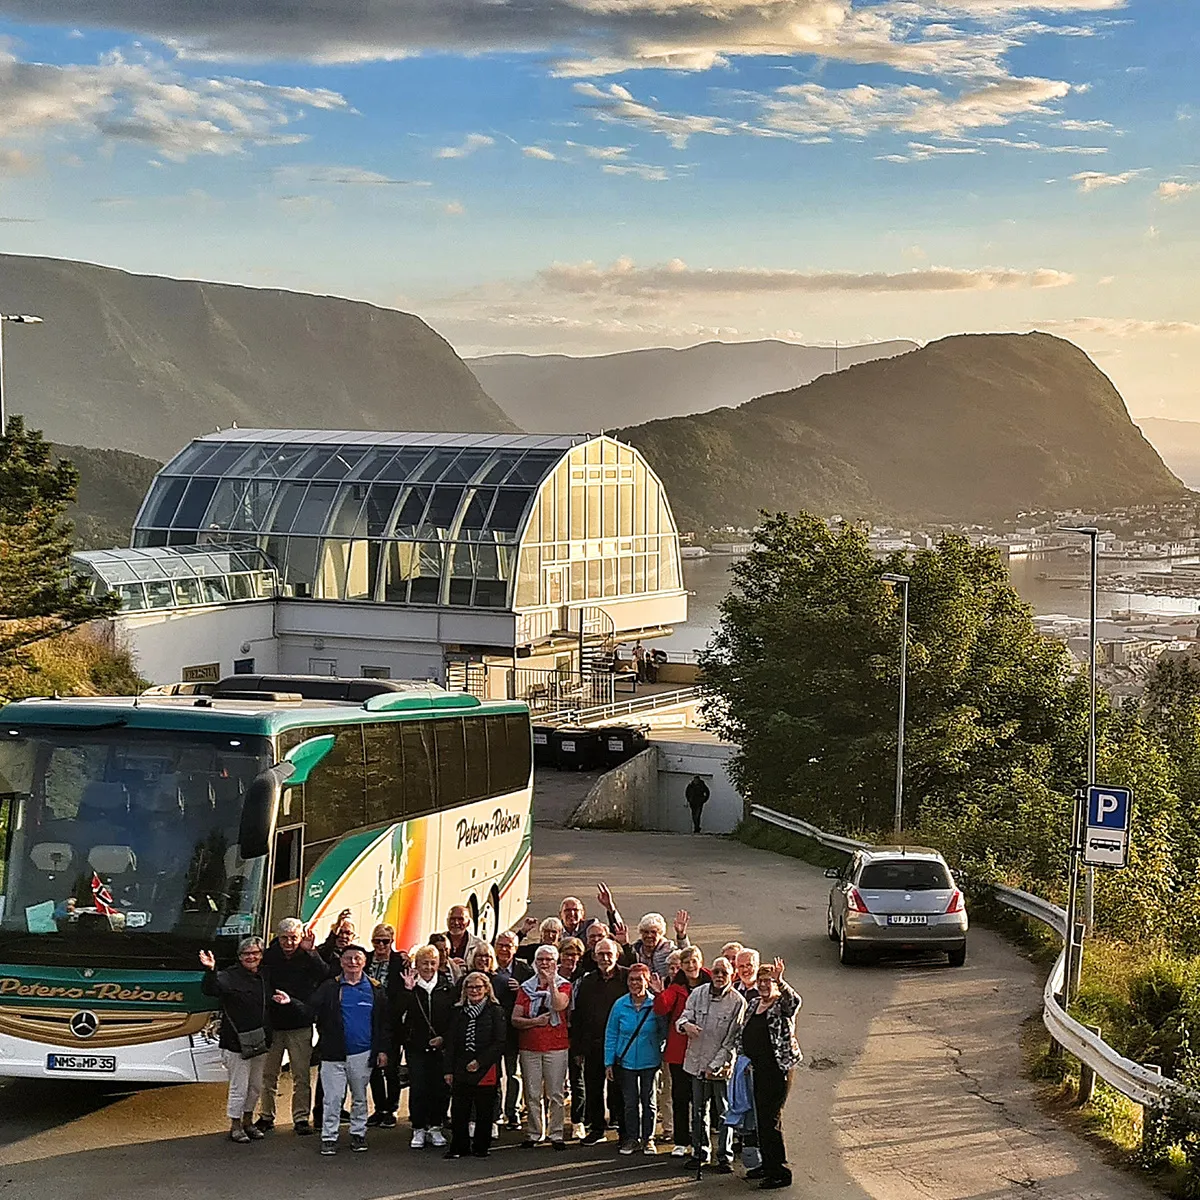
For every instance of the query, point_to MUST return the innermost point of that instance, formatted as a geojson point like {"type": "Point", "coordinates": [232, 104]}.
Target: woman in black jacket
{"type": "Point", "coordinates": [245, 994]}
{"type": "Point", "coordinates": [424, 1021]}
{"type": "Point", "coordinates": [474, 1044]}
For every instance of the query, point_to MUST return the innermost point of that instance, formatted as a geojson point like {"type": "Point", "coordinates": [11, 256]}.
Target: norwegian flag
{"type": "Point", "coordinates": [102, 897]}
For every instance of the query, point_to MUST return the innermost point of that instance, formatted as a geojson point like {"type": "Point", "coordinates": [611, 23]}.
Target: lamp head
{"type": "Point", "coordinates": [892, 577]}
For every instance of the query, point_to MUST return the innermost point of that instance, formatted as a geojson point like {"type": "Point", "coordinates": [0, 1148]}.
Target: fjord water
{"type": "Point", "coordinates": [708, 581]}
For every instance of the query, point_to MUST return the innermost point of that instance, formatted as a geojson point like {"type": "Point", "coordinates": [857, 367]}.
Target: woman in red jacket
{"type": "Point", "coordinates": [669, 1003]}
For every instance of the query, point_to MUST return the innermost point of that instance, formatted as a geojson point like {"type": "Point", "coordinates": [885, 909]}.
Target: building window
{"type": "Point", "coordinates": [375, 672]}
{"type": "Point", "coordinates": [243, 666]}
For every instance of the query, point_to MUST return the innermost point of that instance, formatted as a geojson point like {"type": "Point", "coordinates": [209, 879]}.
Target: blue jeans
{"type": "Point", "coordinates": [640, 1110]}
{"type": "Point", "coordinates": [709, 1095]}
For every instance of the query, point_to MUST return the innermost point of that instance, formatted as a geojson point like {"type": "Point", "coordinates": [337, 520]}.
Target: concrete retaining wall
{"type": "Point", "coordinates": [647, 792]}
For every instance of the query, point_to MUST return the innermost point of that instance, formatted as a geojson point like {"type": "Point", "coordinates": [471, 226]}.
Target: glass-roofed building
{"type": "Point", "coordinates": [475, 553]}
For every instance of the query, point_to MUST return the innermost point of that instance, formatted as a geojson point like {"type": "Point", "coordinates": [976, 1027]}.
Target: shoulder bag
{"type": "Point", "coordinates": [253, 1042]}
{"type": "Point", "coordinates": [649, 1008]}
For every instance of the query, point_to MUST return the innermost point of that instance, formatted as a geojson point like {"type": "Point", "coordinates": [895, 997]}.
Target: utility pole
{"type": "Point", "coordinates": [900, 581]}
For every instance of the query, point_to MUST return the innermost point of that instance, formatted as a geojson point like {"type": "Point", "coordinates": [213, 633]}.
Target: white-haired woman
{"type": "Point", "coordinates": [424, 1021]}
{"type": "Point", "coordinates": [245, 994]}
{"type": "Point", "coordinates": [653, 949]}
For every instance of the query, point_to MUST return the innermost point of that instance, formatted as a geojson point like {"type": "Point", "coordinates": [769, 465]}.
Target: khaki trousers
{"type": "Point", "coordinates": [298, 1044]}
{"type": "Point", "coordinates": [544, 1074]}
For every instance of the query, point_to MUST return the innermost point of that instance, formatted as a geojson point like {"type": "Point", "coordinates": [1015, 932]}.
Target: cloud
{"type": "Point", "coordinates": [616, 104]}
{"type": "Point", "coordinates": [625, 278]}
{"type": "Point", "coordinates": [646, 171]}
{"type": "Point", "coordinates": [1125, 327]}
{"type": "Point", "coordinates": [606, 153]}
{"type": "Point", "coordinates": [1094, 181]}
{"type": "Point", "coordinates": [150, 103]}
{"type": "Point", "coordinates": [472, 142]}
{"type": "Point", "coordinates": [591, 37]}
{"type": "Point", "coordinates": [1175, 189]}
{"type": "Point", "coordinates": [17, 162]}
{"type": "Point", "coordinates": [346, 176]}
{"type": "Point", "coordinates": [454, 208]}
{"type": "Point", "coordinates": [539, 152]}
{"type": "Point", "coordinates": [808, 109]}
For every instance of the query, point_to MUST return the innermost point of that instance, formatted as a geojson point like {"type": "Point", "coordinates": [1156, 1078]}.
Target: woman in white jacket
{"type": "Point", "coordinates": [711, 1020]}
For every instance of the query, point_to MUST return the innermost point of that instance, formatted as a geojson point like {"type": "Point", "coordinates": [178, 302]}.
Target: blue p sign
{"type": "Point", "coordinates": [1108, 808]}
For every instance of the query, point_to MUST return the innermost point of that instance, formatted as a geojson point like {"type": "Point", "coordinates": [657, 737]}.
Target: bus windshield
{"type": "Point", "coordinates": [125, 833]}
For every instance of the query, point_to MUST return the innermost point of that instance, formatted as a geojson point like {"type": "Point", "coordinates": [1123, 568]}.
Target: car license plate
{"type": "Point", "coordinates": [81, 1062]}
{"type": "Point", "coordinates": [908, 919]}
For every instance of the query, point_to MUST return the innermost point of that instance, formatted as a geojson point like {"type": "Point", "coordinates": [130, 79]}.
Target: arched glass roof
{"type": "Point", "coordinates": [423, 518]}
{"type": "Point", "coordinates": [179, 577]}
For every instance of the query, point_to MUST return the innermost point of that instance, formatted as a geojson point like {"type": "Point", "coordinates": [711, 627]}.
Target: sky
{"type": "Point", "coordinates": [586, 176]}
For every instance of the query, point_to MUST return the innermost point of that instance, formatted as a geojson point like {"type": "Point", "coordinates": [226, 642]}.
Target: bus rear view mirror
{"type": "Point", "coordinates": [305, 756]}
{"type": "Point", "coordinates": [259, 806]}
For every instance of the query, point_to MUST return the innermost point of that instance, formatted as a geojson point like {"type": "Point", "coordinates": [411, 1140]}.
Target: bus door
{"type": "Point", "coordinates": [286, 859]}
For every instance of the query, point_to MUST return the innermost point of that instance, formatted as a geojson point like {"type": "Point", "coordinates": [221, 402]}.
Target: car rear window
{"type": "Point", "coordinates": [910, 875]}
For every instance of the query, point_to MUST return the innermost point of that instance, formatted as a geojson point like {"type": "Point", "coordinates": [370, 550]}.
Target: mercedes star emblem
{"type": "Point", "coordinates": [84, 1024]}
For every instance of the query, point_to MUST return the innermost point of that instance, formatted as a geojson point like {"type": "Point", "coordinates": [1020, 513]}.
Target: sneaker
{"type": "Point", "coordinates": [302, 1128]}
{"type": "Point", "coordinates": [482, 1153]}
{"type": "Point", "coordinates": [418, 1139]}
{"type": "Point", "coordinates": [254, 1133]}
{"type": "Point", "coordinates": [495, 1135]}
{"type": "Point", "coordinates": [579, 1131]}
{"type": "Point", "coordinates": [263, 1124]}
{"type": "Point", "coordinates": [374, 1120]}
{"type": "Point", "coordinates": [594, 1139]}
{"type": "Point", "coordinates": [558, 1145]}
{"type": "Point", "coordinates": [528, 1144]}
{"type": "Point", "coordinates": [679, 1152]}
{"type": "Point", "coordinates": [628, 1148]}
{"type": "Point", "coordinates": [452, 1154]}
{"type": "Point", "coordinates": [754, 1173]}
{"type": "Point", "coordinates": [437, 1138]}
{"type": "Point", "coordinates": [722, 1167]}
{"type": "Point", "coordinates": [387, 1121]}
{"type": "Point", "coordinates": [767, 1184]}
{"type": "Point", "coordinates": [328, 1148]}
{"type": "Point", "coordinates": [650, 1147]}
{"type": "Point", "coordinates": [358, 1143]}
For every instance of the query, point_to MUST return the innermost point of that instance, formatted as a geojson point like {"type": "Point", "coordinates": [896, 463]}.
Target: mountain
{"type": "Point", "coordinates": [146, 363]}
{"type": "Point", "coordinates": [554, 393]}
{"type": "Point", "coordinates": [1179, 444]}
{"type": "Point", "coordinates": [970, 428]}
{"type": "Point", "coordinates": [112, 484]}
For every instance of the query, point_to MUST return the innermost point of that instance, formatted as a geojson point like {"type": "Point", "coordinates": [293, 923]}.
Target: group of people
{"type": "Point", "coordinates": [582, 1024]}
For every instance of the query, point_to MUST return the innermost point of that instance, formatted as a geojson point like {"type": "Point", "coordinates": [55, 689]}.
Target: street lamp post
{"type": "Point", "coordinates": [17, 319]}
{"type": "Point", "coordinates": [900, 581]}
{"type": "Point", "coordinates": [1074, 943]}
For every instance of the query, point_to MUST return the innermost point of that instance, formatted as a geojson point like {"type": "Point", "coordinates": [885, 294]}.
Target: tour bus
{"type": "Point", "coordinates": [137, 831]}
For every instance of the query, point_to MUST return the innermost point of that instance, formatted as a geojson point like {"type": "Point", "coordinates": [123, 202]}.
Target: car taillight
{"type": "Point", "coordinates": [856, 902]}
{"type": "Point", "coordinates": [956, 904]}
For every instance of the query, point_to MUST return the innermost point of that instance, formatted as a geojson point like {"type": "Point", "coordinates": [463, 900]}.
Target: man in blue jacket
{"type": "Point", "coordinates": [354, 1025]}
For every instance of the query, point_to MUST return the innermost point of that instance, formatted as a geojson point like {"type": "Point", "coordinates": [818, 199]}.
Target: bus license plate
{"type": "Point", "coordinates": [81, 1062]}
{"type": "Point", "coordinates": [908, 919]}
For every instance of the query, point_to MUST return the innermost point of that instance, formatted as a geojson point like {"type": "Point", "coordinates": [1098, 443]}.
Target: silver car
{"type": "Point", "coordinates": [896, 898]}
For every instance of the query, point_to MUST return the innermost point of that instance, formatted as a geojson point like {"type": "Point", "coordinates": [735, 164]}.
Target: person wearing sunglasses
{"type": "Point", "coordinates": [386, 966]}
{"type": "Point", "coordinates": [474, 1044]}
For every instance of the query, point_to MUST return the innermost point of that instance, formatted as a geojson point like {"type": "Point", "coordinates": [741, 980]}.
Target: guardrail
{"type": "Point", "coordinates": [1143, 1085]}
{"type": "Point", "coordinates": [623, 708]}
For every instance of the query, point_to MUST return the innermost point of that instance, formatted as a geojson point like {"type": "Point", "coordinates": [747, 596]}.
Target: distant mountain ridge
{"type": "Point", "coordinates": [146, 363]}
{"type": "Point", "coordinates": [971, 428]}
{"type": "Point", "coordinates": [557, 393]}
{"type": "Point", "coordinates": [1179, 444]}
{"type": "Point", "coordinates": [112, 485]}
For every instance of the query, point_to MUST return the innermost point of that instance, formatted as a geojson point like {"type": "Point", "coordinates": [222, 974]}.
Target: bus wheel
{"type": "Point", "coordinates": [487, 919]}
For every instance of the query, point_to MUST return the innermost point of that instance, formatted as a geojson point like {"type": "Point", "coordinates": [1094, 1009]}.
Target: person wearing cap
{"type": "Point", "coordinates": [352, 1019]}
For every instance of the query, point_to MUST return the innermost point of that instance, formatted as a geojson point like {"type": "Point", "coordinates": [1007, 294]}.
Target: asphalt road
{"type": "Point", "coordinates": [912, 1090]}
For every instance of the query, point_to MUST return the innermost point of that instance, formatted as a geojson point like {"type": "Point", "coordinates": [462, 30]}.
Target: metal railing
{"type": "Point", "coordinates": [1143, 1085]}
{"type": "Point", "coordinates": [625, 708]}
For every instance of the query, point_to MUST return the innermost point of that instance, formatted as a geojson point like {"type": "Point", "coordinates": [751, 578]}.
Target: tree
{"type": "Point", "coordinates": [39, 596]}
{"type": "Point", "coordinates": [804, 671]}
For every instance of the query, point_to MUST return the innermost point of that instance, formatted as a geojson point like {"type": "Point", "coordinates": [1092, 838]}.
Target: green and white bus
{"type": "Point", "coordinates": [136, 831]}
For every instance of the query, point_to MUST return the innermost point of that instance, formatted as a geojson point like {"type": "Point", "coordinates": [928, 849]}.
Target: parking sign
{"type": "Point", "coordinates": [1106, 830]}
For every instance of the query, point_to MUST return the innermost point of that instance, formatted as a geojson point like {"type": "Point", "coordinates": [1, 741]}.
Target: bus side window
{"type": "Point", "coordinates": [385, 773]}
{"type": "Point", "coordinates": [508, 753]}
{"type": "Point", "coordinates": [451, 762]}
{"type": "Point", "coordinates": [285, 875]}
{"type": "Point", "coordinates": [420, 760]}
{"type": "Point", "coordinates": [475, 731]}
{"type": "Point", "coordinates": [334, 794]}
